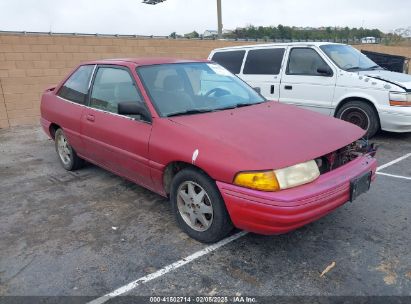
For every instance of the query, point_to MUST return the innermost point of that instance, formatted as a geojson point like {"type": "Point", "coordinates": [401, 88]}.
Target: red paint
{"type": "Point", "coordinates": [260, 137]}
{"type": "Point", "coordinates": [284, 211]}
{"type": "Point", "coordinates": [265, 136]}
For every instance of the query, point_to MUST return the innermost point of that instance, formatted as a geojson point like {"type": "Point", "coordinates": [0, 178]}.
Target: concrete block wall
{"type": "Point", "coordinates": [31, 63]}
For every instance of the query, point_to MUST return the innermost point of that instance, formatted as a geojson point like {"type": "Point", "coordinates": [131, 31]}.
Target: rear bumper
{"type": "Point", "coordinates": [284, 211]}
{"type": "Point", "coordinates": [396, 120]}
{"type": "Point", "coordinates": [45, 124]}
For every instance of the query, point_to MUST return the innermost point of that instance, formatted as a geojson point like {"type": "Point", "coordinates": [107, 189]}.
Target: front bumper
{"type": "Point", "coordinates": [398, 119]}
{"type": "Point", "coordinates": [286, 210]}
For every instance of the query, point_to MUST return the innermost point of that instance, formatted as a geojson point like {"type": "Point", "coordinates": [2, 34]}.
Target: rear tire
{"type": "Point", "coordinates": [198, 206]}
{"type": "Point", "coordinates": [361, 114]}
{"type": "Point", "coordinates": [67, 156]}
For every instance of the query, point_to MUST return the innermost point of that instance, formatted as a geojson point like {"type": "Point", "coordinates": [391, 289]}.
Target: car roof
{"type": "Point", "coordinates": [144, 61]}
{"type": "Point", "coordinates": [267, 45]}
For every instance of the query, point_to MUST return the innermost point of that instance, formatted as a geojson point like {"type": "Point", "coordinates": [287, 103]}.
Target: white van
{"type": "Point", "coordinates": [334, 79]}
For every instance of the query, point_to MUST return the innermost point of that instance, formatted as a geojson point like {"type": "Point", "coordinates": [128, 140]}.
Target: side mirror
{"type": "Point", "coordinates": [257, 89]}
{"type": "Point", "coordinates": [133, 108]}
{"type": "Point", "coordinates": [326, 71]}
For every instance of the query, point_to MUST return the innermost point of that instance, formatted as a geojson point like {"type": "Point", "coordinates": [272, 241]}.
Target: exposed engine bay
{"type": "Point", "coordinates": [344, 155]}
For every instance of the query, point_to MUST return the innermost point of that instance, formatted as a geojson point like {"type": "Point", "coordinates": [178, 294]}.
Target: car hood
{"type": "Point", "coordinates": [270, 135]}
{"type": "Point", "coordinates": [400, 79]}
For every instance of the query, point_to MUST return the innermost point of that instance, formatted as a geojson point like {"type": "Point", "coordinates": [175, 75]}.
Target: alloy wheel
{"type": "Point", "coordinates": [194, 206]}
{"type": "Point", "coordinates": [63, 149]}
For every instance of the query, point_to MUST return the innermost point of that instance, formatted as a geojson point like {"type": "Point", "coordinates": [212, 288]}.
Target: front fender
{"type": "Point", "coordinates": [378, 98]}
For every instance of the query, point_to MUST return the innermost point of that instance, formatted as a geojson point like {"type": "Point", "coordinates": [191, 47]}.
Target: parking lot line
{"type": "Point", "coordinates": [393, 175]}
{"type": "Point", "coordinates": [128, 287]}
{"type": "Point", "coordinates": [393, 162]}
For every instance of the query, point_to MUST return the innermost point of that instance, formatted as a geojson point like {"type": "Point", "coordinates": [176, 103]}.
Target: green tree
{"type": "Point", "coordinates": [287, 32]}
{"type": "Point", "coordinates": [191, 35]}
{"type": "Point", "coordinates": [281, 31]}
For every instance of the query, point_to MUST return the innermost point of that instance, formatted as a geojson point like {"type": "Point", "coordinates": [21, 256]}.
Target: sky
{"type": "Point", "coordinates": [183, 16]}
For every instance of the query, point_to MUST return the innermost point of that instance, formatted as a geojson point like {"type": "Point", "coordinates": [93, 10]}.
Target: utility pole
{"type": "Point", "coordinates": [219, 14]}
{"type": "Point", "coordinates": [220, 20]}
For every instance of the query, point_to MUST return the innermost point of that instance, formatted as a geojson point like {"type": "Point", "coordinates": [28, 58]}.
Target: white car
{"type": "Point", "coordinates": [334, 79]}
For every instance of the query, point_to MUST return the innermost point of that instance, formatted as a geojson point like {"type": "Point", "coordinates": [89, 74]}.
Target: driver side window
{"type": "Point", "coordinates": [305, 61]}
{"type": "Point", "coordinates": [112, 86]}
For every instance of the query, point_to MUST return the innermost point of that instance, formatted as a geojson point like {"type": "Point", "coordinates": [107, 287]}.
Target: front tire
{"type": "Point", "coordinates": [67, 156]}
{"type": "Point", "coordinates": [361, 114]}
{"type": "Point", "coordinates": [199, 207]}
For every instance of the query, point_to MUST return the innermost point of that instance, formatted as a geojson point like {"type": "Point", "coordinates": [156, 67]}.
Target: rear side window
{"type": "Point", "coordinates": [232, 60]}
{"type": "Point", "coordinates": [264, 61]}
{"type": "Point", "coordinates": [112, 86]}
{"type": "Point", "coordinates": [305, 61]}
{"type": "Point", "coordinates": [76, 87]}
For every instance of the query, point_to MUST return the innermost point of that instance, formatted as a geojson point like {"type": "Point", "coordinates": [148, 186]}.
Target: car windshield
{"type": "Point", "coordinates": [190, 88]}
{"type": "Point", "coordinates": [348, 58]}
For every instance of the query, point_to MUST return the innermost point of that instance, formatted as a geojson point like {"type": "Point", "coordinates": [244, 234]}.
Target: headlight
{"type": "Point", "coordinates": [297, 175]}
{"type": "Point", "coordinates": [399, 99]}
{"type": "Point", "coordinates": [275, 180]}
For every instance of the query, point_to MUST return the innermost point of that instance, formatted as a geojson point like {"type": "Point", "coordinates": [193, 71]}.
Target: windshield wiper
{"type": "Point", "coordinates": [191, 111]}
{"type": "Point", "coordinates": [374, 67]}
{"type": "Point", "coordinates": [199, 111]}
{"type": "Point", "coordinates": [238, 105]}
{"type": "Point", "coordinates": [353, 68]}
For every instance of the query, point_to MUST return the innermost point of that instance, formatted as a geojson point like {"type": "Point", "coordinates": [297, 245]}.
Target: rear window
{"type": "Point", "coordinates": [76, 87]}
{"type": "Point", "coordinates": [232, 60]}
{"type": "Point", "coordinates": [264, 61]}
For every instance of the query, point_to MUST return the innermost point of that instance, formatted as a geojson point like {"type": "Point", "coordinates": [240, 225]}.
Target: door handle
{"type": "Point", "coordinates": [272, 89]}
{"type": "Point", "coordinates": [90, 117]}
{"type": "Point", "coordinates": [288, 87]}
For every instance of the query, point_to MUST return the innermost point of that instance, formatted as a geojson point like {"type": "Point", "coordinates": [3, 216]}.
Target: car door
{"type": "Point", "coordinates": [116, 142]}
{"type": "Point", "coordinates": [308, 80]}
{"type": "Point", "coordinates": [262, 69]}
{"type": "Point", "coordinates": [73, 96]}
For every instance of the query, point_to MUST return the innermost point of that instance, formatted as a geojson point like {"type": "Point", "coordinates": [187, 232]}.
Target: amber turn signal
{"type": "Point", "coordinates": [259, 180]}
{"type": "Point", "coordinates": [400, 103]}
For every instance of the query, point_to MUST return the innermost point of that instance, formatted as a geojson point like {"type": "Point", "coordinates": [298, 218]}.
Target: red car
{"type": "Point", "coordinates": [194, 132]}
